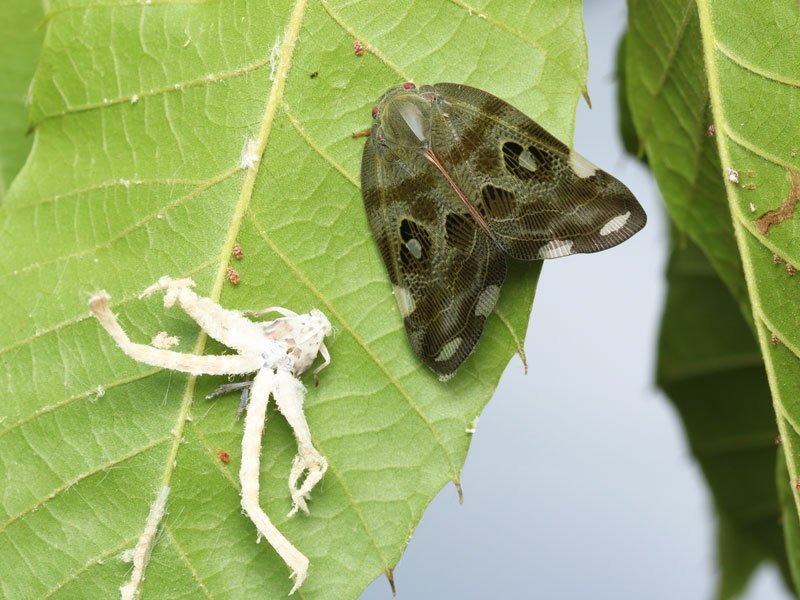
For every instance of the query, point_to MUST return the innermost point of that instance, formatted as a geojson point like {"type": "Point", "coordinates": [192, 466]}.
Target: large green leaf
{"type": "Point", "coordinates": [736, 64]}
{"type": "Point", "coordinates": [19, 47]}
{"type": "Point", "coordinates": [142, 111]}
{"type": "Point", "coordinates": [711, 368]}
{"type": "Point", "coordinates": [754, 88]}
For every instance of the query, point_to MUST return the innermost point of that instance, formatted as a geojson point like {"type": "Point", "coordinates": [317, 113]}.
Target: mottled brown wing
{"type": "Point", "coordinates": [446, 273]}
{"type": "Point", "coordinates": [539, 199]}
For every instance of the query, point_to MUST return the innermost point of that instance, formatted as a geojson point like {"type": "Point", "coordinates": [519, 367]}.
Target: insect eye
{"type": "Point", "coordinates": [409, 86]}
{"type": "Point", "coordinates": [375, 112]}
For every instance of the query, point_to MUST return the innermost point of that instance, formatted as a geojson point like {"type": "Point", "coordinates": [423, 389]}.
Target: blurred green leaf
{"type": "Point", "coordinates": [627, 130]}
{"type": "Point", "coordinates": [711, 369]}
{"type": "Point", "coordinates": [142, 112]}
{"type": "Point", "coordinates": [791, 525]}
{"type": "Point", "coordinates": [19, 47]}
{"type": "Point", "coordinates": [668, 97]}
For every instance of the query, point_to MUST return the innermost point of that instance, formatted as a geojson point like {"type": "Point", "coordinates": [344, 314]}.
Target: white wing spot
{"type": "Point", "coordinates": [414, 247]}
{"type": "Point", "coordinates": [448, 350]}
{"type": "Point", "coordinates": [615, 224]}
{"type": "Point", "coordinates": [527, 161]}
{"type": "Point", "coordinates": [581, 167]}
{"type": "Point", "coordinates": [487, 300]}
{"type": "Point", "coordinates": [556, 249]}
{"type": "Point", "coordinates": [404, 300]}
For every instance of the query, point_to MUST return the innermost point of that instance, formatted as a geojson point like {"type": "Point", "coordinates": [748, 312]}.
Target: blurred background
{"type": "Point", "coordinates": [579, 482]}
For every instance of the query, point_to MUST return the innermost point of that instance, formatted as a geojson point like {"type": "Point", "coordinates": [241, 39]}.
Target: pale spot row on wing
{"type": "Point", "coordinates": [449, 349]}
{"type": "Point", "coordinates": [582, 167]}
{"type": "Point", "coordinates": [556, 249]}
{"type": "Point", "coordinates": [487, 300]}
{"type": "Point", "coordinates": [405, 302]}
{"type": "Point", "coordinates": [615, 224]}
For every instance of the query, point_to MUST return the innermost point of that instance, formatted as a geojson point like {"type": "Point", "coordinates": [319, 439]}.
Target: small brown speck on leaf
{"type": "Point", "coordinates": [774, 339]}
{"type": "Point", "coordinates": [712, 130]}
{"type": "Point", "coordinates": [778, 441]}
{"type": "Point", "coordinates": [786, 210]}
{"type": "Point", "coordinates": [237, 251]}
{"type": "Point", "coordinates": [233, 276]}
{"type": "Point", "coordinates": [224, 456]}
{"type": "Point", "coordinates": [776, 259]}
{"type": "Point", "coordinates": [358, 47]}
{"type": "Point", "coordinates": [789, 270]}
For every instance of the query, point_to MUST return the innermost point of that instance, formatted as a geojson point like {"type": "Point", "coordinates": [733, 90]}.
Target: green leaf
{"type": "Point", "coordinates": [19, 47]}
{"type": "Point", "coordinates": [740, 62]}
{"type": "Point", "coordinates": [627, 130]}
{"type": "Point", "coordinates": [668, 97]}
{"type": "Point", "coordinates": [711, 368]}
{"type": "Point", "coordinates": [142, 112]}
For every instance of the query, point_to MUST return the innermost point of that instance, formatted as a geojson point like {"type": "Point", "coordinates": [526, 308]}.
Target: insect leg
{"type": "Point", "coordinates": [289, 395]}
{"type": "Point", "coordinates": [228, 327]}
{"type": "Point", "coordinates": [263, 386]}
{"type": "Point", "coordinates": [323, 350]}
{"type": "Point", "coordinates": [233, 364]}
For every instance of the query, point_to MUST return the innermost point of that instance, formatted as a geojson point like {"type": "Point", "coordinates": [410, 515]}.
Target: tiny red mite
{"type": "Point", "coordinates": [224, 456]}
{"type": "Point", "coordinates": [375, 112]}
{"type": "Point", "coordinates": [409, 86]}
{"type": "Point", "coordinates": [358, 47]}
{"type": "Point", "coordinates": [233, 276]}
{"type": "Point", "coordinates": [237, 251]}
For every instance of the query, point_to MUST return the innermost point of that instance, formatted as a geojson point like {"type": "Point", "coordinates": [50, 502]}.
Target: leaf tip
{"type": "Point", "coordinates": [585, 94]}
{"type": "Point", "coordinates": [460, 491]}
{"type": "Point", "coordinates": [390, 577]}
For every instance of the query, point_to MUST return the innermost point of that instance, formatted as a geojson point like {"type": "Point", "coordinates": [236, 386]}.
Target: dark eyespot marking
{"type": "Point", "coordinates": [459, 230]}
{"type": "Point", "coordinates": [523, 163]}
{"type": "Point", "coordinates": [498, 202]}
{"type": "Point", "coordinates": [416, 243]}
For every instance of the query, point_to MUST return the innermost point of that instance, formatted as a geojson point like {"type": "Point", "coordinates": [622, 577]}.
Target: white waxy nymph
{"type": "Point", "coordinates": [277, 352]}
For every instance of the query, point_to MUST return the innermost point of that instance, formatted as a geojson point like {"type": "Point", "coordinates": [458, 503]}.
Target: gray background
{"type": "Point", "coordinates": [579, 482]}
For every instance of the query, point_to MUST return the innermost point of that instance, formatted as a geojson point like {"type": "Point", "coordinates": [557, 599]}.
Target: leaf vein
{"type": "Point", "coordinates": [314, 145]}
{"type": "Point", "coordinates": [755, 69]}
{"type": "Point", "coordinates": [132, 227]}
{"type": "Point", "coordinates": [89, 564]}
{"type": "Point", "coordinates": [185, 560]}
{"type": "Point", "coordinates": [135, 97]}
{"type": "Point", "coordinates": [367, 44]}
{"type": "Point", "coordinates": [84, 317]}
{"type": "Point", "coordinates": [75, 480]}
